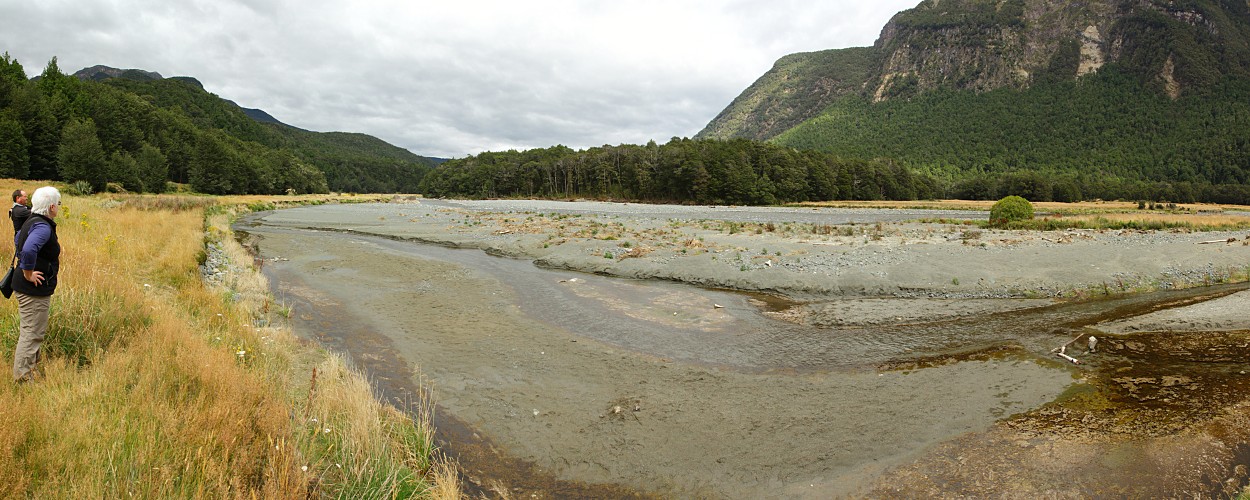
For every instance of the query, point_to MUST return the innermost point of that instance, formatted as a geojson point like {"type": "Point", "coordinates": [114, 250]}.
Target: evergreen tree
{"type": "Point", "coordinates": [116, 117]}
{"type": "Point", "coordinates": [292, 175]}
{"type": "Point", "coordinates": [52, 81]}
{"type": "Point", "coordinates": [152, 170]}
{"type": "Point", "coordinates": [12, 76]}
{"type": "Point", "coordinates": [124, 170]}
{"type": "Point", "coordinates": [14, 159]}
{"type": "Point", "coordinates": [212, 167]}
{"type": "Point", "coordinates": [81, 157]}
{"type": "Point", "coordinates": [11, 70]}
{"type": "Point", "coordinates": [43, 136]}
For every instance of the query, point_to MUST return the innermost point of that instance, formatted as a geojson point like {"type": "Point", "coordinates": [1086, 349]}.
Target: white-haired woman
{"type": "Point", "coordinates": [39, 256]}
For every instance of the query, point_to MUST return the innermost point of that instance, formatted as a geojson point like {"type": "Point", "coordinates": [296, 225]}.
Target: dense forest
{"type": "Point", "coordinates": [737, 171]}
{"type": "Point", "coordinates": [137, 134]}
{"type": "Point", "coordinates": [745, 172]}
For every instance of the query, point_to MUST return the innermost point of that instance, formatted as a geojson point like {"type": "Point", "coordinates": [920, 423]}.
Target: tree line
{"type": "Point", "coordinates": [738, 171]}
{"type": "Point", "coordinates": [745, 172]}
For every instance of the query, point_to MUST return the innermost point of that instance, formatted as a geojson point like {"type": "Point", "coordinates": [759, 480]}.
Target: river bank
{"type": "Point", "coordinates": [903, 337]}
{"type": "Point", "coordinates": [806, 252]}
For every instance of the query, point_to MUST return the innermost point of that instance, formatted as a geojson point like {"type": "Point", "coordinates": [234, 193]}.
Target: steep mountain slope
{"type": "Point", "coordinates": [1173, 47]}
{"type": "Point", "coordinates": [797, 88]}
{"type": "Point", "coordinates": [1046, 99]}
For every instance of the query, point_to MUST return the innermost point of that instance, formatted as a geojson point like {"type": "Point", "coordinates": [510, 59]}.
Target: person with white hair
{"type": "Point", "coordinates": [39, 259]}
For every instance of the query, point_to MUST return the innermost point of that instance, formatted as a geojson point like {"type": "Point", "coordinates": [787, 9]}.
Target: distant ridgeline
{"type": "Point", "coordinates": [1039, 98]}
{"type": "Point", "coordinates": [138, 130]}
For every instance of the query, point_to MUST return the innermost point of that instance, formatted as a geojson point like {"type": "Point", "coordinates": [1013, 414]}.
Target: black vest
{"type": "Point", "coordinates": [48, 260]}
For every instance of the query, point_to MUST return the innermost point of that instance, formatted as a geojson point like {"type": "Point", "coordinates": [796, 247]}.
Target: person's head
{"type": "Point", "coordinates": [46, 201]}
{"type": "Point", "coordinates": [19, 196]}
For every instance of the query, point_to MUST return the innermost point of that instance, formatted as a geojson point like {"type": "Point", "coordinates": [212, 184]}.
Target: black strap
{"type": "Point", "coordinates": [22, 235]}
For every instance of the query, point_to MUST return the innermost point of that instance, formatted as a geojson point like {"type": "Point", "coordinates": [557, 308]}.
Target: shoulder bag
{"type": "Point", "coordinates": [6, 286]}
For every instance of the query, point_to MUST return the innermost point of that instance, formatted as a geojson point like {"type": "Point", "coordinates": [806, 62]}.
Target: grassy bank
{"type": "Point", "coordinates": [157, 385]}
{"type": "Point", "coordinates": [1115, 222]}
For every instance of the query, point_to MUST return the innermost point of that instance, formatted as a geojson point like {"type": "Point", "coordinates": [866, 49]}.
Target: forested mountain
{"type": "Point", "coordinates": [139, 130]}
{"type": "Point", "coordinates": [1104, 98]}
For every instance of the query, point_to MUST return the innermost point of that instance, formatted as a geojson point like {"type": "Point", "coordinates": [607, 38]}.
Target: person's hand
{"type": "Point", "coordinates": [35, 277]}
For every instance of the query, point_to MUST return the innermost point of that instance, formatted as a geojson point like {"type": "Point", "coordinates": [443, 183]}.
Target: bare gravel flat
{"type": "Point", "coordinates": [680, 390]}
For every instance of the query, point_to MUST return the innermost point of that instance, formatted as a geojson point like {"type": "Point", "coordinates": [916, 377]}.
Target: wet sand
{"type": "Point", "coordinates": [1223, 314]}
{"type": "Point", "coordinates": [684, 391]}
{"type": "Point", "coordinates": [550, 395]}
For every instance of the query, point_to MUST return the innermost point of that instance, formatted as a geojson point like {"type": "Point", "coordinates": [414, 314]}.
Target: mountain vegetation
{"type": "Point", "coordinates": [797, 89]}
{"type": "Point", "coordinates": [136, 131]}
{"type": "Point", "coordinates": [1105, 136]}
{"type": "Point", "coordinates": [1044, 99]}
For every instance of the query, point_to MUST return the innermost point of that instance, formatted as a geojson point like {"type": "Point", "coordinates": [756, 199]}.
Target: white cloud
{"type": "Point", "coordinates": [452, 78]}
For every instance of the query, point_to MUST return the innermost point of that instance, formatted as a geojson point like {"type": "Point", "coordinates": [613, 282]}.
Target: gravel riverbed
{"type": "Point", "coordinates": [936, 420]}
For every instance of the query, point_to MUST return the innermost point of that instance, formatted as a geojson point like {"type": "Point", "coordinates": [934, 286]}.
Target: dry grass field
{"type": "Point", "coordinates": [1087, 215]}
{"type": "Point", "coordinates": [1090, 207]}
{"type": "Point", "coordinates": [156, 385]}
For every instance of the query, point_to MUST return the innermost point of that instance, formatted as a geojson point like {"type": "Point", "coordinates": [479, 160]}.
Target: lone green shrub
{"type": "Point", "coordinates": [1011, 209]}
{"type": "Point", "coordinates": [79, 188]}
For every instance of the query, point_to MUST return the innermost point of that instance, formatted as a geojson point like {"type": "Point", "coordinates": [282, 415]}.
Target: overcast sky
{"type": "Point", "coordinates": [453, 77]}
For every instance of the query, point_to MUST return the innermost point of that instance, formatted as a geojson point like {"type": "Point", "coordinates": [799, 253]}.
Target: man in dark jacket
{"type": "Point", "coordinates": [19, 213]}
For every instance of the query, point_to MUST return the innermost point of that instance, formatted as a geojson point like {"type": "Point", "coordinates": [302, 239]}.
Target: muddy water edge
{"type": "Point", "coordinates": [557, 384]}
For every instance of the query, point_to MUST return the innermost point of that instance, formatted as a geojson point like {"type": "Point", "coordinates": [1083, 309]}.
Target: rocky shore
{"type": "Point", "coordinates": [809, 253]}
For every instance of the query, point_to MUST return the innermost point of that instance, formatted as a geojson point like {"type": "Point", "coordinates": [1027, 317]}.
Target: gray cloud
{"type": "Point", "coordinates": [452, 78]}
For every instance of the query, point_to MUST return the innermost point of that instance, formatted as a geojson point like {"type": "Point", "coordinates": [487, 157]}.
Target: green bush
{"type": "Point", "coordinates": [79, 188]}
{"type": "Point", "coordinates": [1011, 209]}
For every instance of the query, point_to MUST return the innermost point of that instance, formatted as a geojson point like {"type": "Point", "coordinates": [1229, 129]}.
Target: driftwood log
{"type": "Point", "coordinates": [1062, 351]}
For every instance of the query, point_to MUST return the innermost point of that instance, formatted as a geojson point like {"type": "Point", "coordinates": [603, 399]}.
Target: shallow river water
{"type": "Point", "coordinates": [556, 383]}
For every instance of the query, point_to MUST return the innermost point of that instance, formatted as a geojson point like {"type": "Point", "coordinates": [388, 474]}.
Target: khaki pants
{"type": "Point", "coordinates": [33, 312]}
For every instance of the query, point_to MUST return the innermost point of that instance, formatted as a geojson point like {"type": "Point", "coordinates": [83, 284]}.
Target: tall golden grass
{"type": "Point", "coordinates": [1213, 221]}
{"type": "Point", "coordinates": [157, 386]}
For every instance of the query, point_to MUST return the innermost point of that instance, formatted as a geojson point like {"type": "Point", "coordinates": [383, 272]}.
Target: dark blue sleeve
{"type": "Point", "coordinates": [40, 232]}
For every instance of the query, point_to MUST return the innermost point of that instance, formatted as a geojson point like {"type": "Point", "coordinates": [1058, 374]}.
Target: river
{"type": "Point", "coordinates": [558, 383]}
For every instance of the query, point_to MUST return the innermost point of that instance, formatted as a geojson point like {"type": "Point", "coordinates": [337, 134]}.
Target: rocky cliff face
{"type": "Point", "coordinates": [979, 45]}
{"type": "Point", "coordinates": [982, 45]}
{"type": "Point", "coordinates": [101, 73]}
